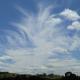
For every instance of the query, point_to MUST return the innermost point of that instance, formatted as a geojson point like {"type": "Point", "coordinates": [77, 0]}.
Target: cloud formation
{"type": "Point", "coordinates": [40, 37]}
{"type": "Point", "coordinates": [70, 14]}
{"type": "Point", "coordinates": [74, 26]}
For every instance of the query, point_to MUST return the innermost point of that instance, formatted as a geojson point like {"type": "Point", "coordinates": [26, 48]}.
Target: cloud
{"type": "Point", "coordinates": [4, 57]}
{"type": "Point", "coordinates": [60, 66]}
{"type": "Point", "coordinates": [37, 38]}
{"type": "Point", "coordinates": [75, 43]}
{"type": "Point", "coordinates": [74, 26]}
{"type": "Point", "coordinates": [28, 63]}
{"type": "Point", "coordinates": [70, 14]}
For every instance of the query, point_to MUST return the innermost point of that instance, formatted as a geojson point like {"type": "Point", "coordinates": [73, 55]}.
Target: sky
{"type": "Point", "coordinates": [40, 36]}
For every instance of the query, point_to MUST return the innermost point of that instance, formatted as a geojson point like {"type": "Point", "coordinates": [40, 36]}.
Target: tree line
{"type": "Point", "coordinates": [44, 76]}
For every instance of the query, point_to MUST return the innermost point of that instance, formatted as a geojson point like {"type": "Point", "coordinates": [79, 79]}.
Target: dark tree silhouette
{"type": "Point", "coordinates": [70, 76]}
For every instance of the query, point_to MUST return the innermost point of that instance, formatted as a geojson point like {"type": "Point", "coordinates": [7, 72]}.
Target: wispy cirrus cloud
{"type": "Point", "coordinates": [38, 37]}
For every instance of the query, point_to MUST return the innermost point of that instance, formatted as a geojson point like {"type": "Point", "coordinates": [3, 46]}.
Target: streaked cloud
{"type": "Point", "coordinates": [40, 36]}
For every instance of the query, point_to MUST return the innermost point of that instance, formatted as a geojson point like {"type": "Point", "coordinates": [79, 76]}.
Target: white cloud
{"type": "Point", "coordinates": [66, 62]}
{"type": "Point", "coordinates": [28, 62]}
{"type": "Point", "coordinates": [74, 26]}
{"type": "Point", "coordinates": [61, 66]}
{"type": "Point", "coordinates": [25, 59]}
{"type": "Point", "coordinates": [4, 57]}
{"type": "Point", "coordinates": [75, 43]}
{"type": "Point", "coordinates": [70, 14]}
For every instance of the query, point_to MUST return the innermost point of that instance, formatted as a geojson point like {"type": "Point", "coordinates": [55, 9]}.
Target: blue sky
{"type": "Point", "coordinates": [38, 36]}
